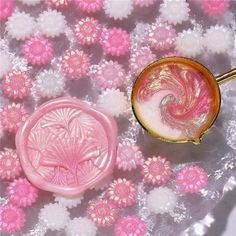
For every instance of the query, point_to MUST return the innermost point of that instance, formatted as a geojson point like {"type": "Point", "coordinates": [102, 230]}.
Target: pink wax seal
{"type": "Point", "coordinates": [66, 146]}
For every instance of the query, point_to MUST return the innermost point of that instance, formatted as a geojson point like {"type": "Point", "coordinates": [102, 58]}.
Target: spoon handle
{"type": "Point", "coordinates": [227, 76]}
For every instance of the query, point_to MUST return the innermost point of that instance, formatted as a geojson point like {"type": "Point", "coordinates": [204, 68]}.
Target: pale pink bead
{"type": "Point", "coordinates": [59, 3]}
{"type": "Point", "coordinates": [10, 166]}
{"type": "Point", "coordinates": [156, 170]}
{"type": "Point", "coordinates": [13, 116]}
{"type": "Point", "coordinates": [191, 179]}
{"type": "Point", "coordinates": [75, 64]}
{"type": "Point", "coordinates": [214, 7]}
{"type": "Point", "coordinates": [122, 193]}
{"type": "Point", "coordinates": [143, 3]}
{"type": "Point", "coordinates": [12, 218]}
{"type": "Point", "coordinates": [128, 156]}
{"type": "Point", "coordinates": [6, 8]}
{"type": "Point", "coordinates": [89, 6]}
{"type": "Point", "coordinates": [102, 212]}
{"type": "Point", "coordinates": [22, 193]}
{"type": "Point", "coordinates": [161, 35]}
{"type": "Point", "coordinates": [140, 58]}
{"type": "Point", "coordinates": [130, 225]}
{"type": "Point", "coordinates": [38, 51]}
{"type": "Point", "coordinates": [115, 41]}
{"type": "Point", "coordinates": [16, 84]}
{"type": "Point", "coordinates": [87, 31]}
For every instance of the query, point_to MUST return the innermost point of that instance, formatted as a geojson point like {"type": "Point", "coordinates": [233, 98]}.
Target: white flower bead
{"type": "Point", "coordinates": [5, 63]}
{"type": "Point", "coordinates": [68, 202]}
{"type": "Point", "coordinates": [189, 43]}
{"type": "Point", "coordinates": [81, 226]}
{"type": "Point", "coordinates": [54, 216]}
{"type": "Point", "coordinates": [174, 11]}
{"type": "Point", "coordinates": [50, 84]}
{"type": "Point", "coordinates": [118, 9]}
{"type": "Point", "coordinates": [161, 200]}
{"type": "Point", "coordinates": [30, 2]}
{"type": "Point", "coordinates": [218, 39]}
{"type": "Point", "coordinates": [20, 25]}
{"type": "Point", "coordinates": [51, 23]}
{"type": "Point", "coordinates": [113, 101]}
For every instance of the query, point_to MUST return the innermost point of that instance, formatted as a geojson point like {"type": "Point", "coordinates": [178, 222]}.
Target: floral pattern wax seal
{"type": "Point", "coordinates": [66, 147]}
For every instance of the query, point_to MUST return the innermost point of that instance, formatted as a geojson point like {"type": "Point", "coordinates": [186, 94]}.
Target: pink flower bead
{"type": "Point", "coordinates": [122, 193]}
{"type": "Point", "coordinates": [38, 51]}
{"type": "Point", "coordinates": [191, 179]}
{"type": "Point", "coordinates": [130, 226]}
{"type": "Point", "coordinates": [156, 170]}
{"type": "Point", "coordinates": [6, 9]}
{"type": "Point", "coordinates": [21, 193]}
{"type": "Point", "coordinates": [75, 64]}
{"type": "Point", "coordinates": [161, 35]}
{"type": "Point", "coordinates": [102, 212]}
{"type": "Point", "coordinates": [16, 84]}
{"type": "Point", "coordinates": [115, 41]}
{"type": "Point", "coordinates": [59, 3]}
{"type": "Point", "coordinates": [89, 6]}
{"type": "Point", "coordinates": [140, 59]}
{"type": "Point", "coordinates": [214, 7]}
{"type": "Point", "coordinates": [143, 3]}
{"type": "Point", "coordinates": [12, 218]}
{"type": "Point", "coordinates": [128, 156]}
{"type": "Point", "coordinates": [87, 31]}
{"type": "Point", "coordinates": [10, 166]}
{"type": "Point", "coordinates": [13, 116]}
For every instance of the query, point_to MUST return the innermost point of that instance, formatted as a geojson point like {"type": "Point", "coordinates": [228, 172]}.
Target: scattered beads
{"type": "Point", "coordinates": [143, 3]}
{"type": "Point", "coordinates": [6, 9]}
{"type": "Point", "coordinates": [20, 25]}
{"type": "Point", "coordinates": [12, 218]}
{"type": "Point", "coordinates": [75, 64]}
{"type": "Point", "coordinates": [10, 166]}
{"type": "Point", "coordinates": [128, 156]}
{"type": "Point", "coordinates": [13, 116]}
{"type": "Point", "coordinates": [122, 193]}
{"type": "Point", "coordinates": [214, 7]}
{"type": "Point", "coordinates": [87, 31]}
{"type": "Point", "coordinates": [102, 212]}
{"type": "Point", "coordinates": [161, 200]}
{"type": "Point", "coordinates": [191, 179]}
{"type": "Point", "coordinates": [116, 41]}
{"type": "Point", "coordinates": [16, 84]}
{"type": "Point", "coordinates": [30, 2]}
{"type": "Point", "coordinates": [51, 23]}
{"type": "Point", "coordinates": [38, 51]}
{"type": "Point", "coordinates": [156, 170]}
{"type": "Point", "coordinates": [130, 225]}
{"type": "Point", "coordinates": [54, 216]}
{"type": "Point", "coordinates": [21, 193]}
{"type": "Point", "coordinates": [89, 6]}
{"type": "Point", "coordinates": [5, 63]}
{"type": "Point", "coordinates": [68, 202]}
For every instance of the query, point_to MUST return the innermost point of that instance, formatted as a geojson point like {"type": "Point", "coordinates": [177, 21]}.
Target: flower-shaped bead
{"type": "Point", "coordinates": [5, 63]}
{"type": "Point", "coordinates": [102, 212]}
{"type": "Point", "coordinates": [130, 225]}
{"type": "Point", "coordinates": [10, 166]}
{"type": "Point", "coordinates": [12, 218]}
{"type": "Point", "coordinates": [89, 6]}
{"type": "Point", "coordinates": [13, 116]}
{"type": "Point", "coordinates": [143, 3]}
{"type": "Point", "coordinates": [54, 216]}
{"type": "Point", "coordinates": [75, 64]}
{"type": "Point", "coordinates": [16, 84]}
{"type": "Point", "coordinates": [191, 179]}
{"type": "Point", "coordinates": [20, 25]}
{"type": "Point", "coordinates": [30, 2]}
{"type": "Point", "coordinates": [161, 200]}
{"type": "Point", "coordinates": [68, 202]}
{"type": "Point", "coordinates": [87, 31]}
{"type": "Point", "coordinates": [156, 170]}
{"type": "Point", "coordinates": [122, 193]}
{"type": "Point", "coordinates": [214, 7]}
{"type": "Point", "coordinates": [140, 58]}
{"type": "Point", "coordinates": [115, 41]}
{"type": "Point", "coordinates": [118, 9]}
{"type": "Point", "coordinates": [128, 156]}
{"type": "Point", "coordinates": [38, 51]}
{"type": "Point", "coordinates": [6, 9]}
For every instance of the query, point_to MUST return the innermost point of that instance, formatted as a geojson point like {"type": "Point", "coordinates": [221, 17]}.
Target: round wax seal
{"type": "Point", "coordinates": [66, 147]}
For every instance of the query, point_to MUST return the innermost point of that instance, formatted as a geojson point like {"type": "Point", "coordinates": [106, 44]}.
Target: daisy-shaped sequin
{"type": "Point", "coordinates": [122, 192]}
{"type": "Point", "coordinates": [191, 179]}
{"type": "Point", "coordinates": [102, 212]}
{"type": "Point", "coordinates": [156, 170]}
{"type": "Point", "coordinates": [89, 6]}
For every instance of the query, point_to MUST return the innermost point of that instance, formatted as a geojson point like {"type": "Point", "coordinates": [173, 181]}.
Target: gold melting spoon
{"type": "Point", "coordinates": [177, 99]}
